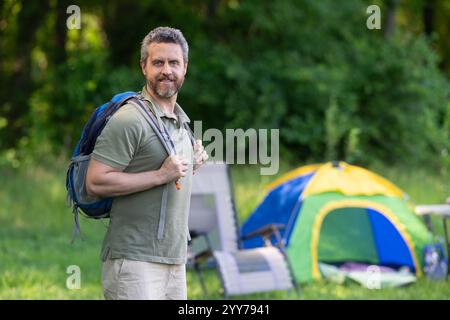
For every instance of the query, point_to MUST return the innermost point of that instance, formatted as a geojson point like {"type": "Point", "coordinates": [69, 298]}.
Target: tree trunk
{"type": "Point", "coordinates": [389, 25]}
{"type": "Point", "coordinates": [119, 19]}
{"type": "Point", "coordinates": [212, 8]}
{"type": "Point", "coordinates": [428, 17]}
{"type": "Point", "coordinates": [20, 85]}
{"type": "Point", "coordinates": [60, 37]}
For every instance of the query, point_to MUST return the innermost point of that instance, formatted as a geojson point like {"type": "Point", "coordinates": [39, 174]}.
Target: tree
{"type": "Point", "coordinates": [19, 86]}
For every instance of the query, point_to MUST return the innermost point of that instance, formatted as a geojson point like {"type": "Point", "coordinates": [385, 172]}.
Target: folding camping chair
{"type": "Point", "coordinates": [215, 239]}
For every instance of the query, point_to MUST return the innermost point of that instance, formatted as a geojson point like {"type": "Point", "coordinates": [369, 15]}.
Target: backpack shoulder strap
{"type": "Point", "coordinates": [190, 133]}
{"type": "Point", "coordinates": [161, 133]}
{"type": "Point", "coordinates": [162, 127]}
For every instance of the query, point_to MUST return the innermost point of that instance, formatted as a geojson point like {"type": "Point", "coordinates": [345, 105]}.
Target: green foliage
{"type": "Point", "coordinates": [402, 98]}
{"type": "Point", "coordinates": [353, 148]}
{"type": "Point", "coordinates": [322, 84]}
{"type": "Point", "coordinates": [335, 89]}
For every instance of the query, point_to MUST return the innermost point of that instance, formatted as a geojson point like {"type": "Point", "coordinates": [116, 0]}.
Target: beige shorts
{"type": "Point", "coordinates": [124, 279]}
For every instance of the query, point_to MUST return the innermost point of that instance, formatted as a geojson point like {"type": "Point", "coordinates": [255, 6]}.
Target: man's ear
{"type": "Point", "coordinates": [142, 63]}
{"type": "Point", "coordinates": [185, 68]}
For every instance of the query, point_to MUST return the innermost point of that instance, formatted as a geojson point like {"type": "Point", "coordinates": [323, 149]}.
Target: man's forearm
{"type": "Point", "coordinates": [114, 184]}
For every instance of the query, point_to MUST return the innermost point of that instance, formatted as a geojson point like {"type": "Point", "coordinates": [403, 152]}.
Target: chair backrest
{"type": "Point", "coordinates": [212, 208]}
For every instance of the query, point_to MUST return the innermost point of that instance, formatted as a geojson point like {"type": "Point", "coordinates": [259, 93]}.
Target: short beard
{"type": "Point", "coordinates": [168, 93]}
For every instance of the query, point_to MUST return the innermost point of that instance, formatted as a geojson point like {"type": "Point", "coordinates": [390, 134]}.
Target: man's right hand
{"type": "Point", "coordinates": [173, 168]}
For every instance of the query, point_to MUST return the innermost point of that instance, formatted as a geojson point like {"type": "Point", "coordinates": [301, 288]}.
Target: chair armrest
{"type": "Point", "coordinates": [195, 234]}
{"type": "Point", "coordinates": [205, 254]}
{"type": "Point", "coordinates": [265, 231]}
{"type": "Point", "coordinates": [202, 256]}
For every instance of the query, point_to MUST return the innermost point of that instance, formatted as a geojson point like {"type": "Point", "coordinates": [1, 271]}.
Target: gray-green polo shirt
{"type": "Point", "coordinates": [128, 143]}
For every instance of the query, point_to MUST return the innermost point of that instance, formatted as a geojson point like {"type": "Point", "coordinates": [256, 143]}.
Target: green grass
{"type": "Point", "coordinates": [36, 231]}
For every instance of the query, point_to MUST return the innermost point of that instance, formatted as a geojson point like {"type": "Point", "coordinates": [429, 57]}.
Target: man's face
{"type": "Point", "coordinates": [164, 69]}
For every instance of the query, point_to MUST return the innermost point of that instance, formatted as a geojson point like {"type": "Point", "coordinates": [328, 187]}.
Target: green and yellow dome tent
{"type": "Point", "coordinates": [337, 212]}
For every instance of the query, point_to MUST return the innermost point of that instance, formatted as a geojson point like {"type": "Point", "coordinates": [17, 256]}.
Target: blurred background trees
{"type": "Point", "coordinates": [335, 89]}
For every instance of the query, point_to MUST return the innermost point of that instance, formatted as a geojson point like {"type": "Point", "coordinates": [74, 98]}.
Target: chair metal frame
{"type": "Point", "coordinates": [267, 232]}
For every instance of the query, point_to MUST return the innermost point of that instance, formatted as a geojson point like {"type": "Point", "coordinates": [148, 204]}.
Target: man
{"type": "Point", "coordinates": [144, 250]}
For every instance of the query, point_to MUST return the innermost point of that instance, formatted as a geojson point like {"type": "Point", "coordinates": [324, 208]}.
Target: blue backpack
{"type": "Point", "coordinates": [77, 197]}
{"type": "Point", "coordinates": [435, 261]}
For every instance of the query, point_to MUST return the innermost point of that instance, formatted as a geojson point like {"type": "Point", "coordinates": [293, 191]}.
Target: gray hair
{"type": "Point", "coordinates": [164, 35]}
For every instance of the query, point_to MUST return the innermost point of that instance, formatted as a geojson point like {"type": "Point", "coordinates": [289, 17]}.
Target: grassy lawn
{"type": "Point", "coordinates": [36, 231]}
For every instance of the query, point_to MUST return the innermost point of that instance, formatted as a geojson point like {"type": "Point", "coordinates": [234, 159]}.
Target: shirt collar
{"type": "Point", "coordinates": [182, 116]}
